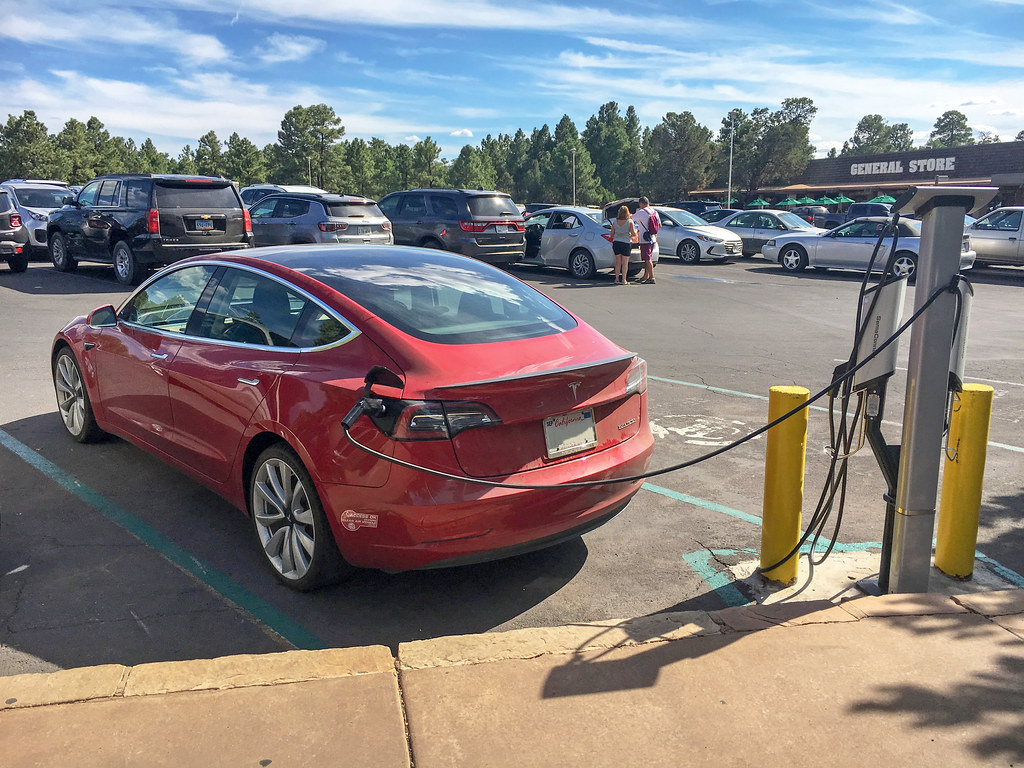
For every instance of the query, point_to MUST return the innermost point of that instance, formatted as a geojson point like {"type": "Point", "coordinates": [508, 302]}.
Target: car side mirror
{"type": "Point", "coordinates": [104, 317]}
{"type": "Point", "coordinates": [68, 200]}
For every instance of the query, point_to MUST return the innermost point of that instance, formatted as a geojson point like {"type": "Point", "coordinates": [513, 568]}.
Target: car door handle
{"type": "Point", "coordinates": [158, 356]}
{"type": "Point", "coordinates": [250, 382]}
{"type": "Point", "coordinates": [1012, 239]}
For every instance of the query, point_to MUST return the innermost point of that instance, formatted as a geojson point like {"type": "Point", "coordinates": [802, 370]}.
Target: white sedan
{"type": "Point", "coordinates": [691, 239]}
{"type": "Point", "coordinates": [850, 245]}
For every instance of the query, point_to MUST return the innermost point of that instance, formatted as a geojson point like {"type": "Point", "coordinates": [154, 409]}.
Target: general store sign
{"type": "Point", "coordinates": [926, 165]}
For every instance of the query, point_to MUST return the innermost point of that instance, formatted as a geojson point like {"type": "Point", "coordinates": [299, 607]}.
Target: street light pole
{"type": "Point", "coordinates": [732, 135]}
{"type": "Point", "coordinates": [573, 150]}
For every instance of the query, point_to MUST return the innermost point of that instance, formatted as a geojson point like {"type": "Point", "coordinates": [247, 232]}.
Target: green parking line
{"type": "Point", "coordinates": [230, 590]}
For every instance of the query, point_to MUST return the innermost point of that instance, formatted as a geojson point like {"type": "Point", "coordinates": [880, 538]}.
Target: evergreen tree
{"type": "Point", "coordinates": [186, 162]}
{"type": "Point", "coordinates": [680, 157]}
{"type": "Point", "coordinates": [633, 158]}
{"type": "Point", "coordinates": [427, 170]}
{"type": "Point", "coordinates": [359, 160]}
{"type": "Point", "coordinates": [518, 157]}
{"type": "Point", "coordinates": [26, 150]}
{"type": "Point", "coordinates": [306, 147]}
{"type": "Point", "coordinates": [1020, 136]}
{"type": "Point", "coordinates": [607, 141]}
{"type": "Point", "coordinates": [951, 130]}
{"type": "Point", "coordinates": [209, 157]}
{"type": "Point", "coordinates": [587, 188]}
{"type": "Point", "coordinates": [874, 136]}
{"type": "Point", "coordinates": [385, 180]}
{"type": "Point", "coordinates": [151, 160]}
{"type": "Point", "coordinates": [472, 169]}
{"type": "Point", "coordinates": [244, 162]}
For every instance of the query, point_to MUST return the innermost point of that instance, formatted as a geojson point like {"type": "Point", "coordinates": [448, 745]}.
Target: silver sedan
{"type": "Point", "coordinates": [576, 238]}
{"type": "Point", "coordinates": [691, 238]}
{"type": "Point", "coordinates": [756, 228]}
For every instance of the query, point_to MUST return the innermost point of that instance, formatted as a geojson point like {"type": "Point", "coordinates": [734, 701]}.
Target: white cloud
{"type": "Point", "coordinates": [414, 139]}
{"type": "Point", "coordinates": [463, 133]}
{"type": "Point", "coordinates": [279, 48]}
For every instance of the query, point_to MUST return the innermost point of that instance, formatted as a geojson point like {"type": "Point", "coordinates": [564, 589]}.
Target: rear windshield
{"type": "Point", "coordinates": [346, 210]}
{"type": "Point", "coordinates": [492, 205]}
{"type": "Point", "coordinates": [449, 300]}
{"type": "Point", "coordinates": [43, 197]}
{"type": "Point", "coordinates": [5, 202]}
{"type": "Point", "coordinates": [196, 196]}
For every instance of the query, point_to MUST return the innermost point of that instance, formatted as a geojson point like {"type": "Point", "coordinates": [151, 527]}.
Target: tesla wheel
{"type": "Point", "coordinates": [905, 266]}
{"type": "Point", "coordinates": [793, 259]}
{"type": "Point", "coordinates": [73, 399]}
{"type": "Point", "coordinates": [581, 264]}
{"type": "Point", "coordinates": [59, 255]}
{"type": "Point", "coordinates": [688, 252]}
{"type": "Point", "coordinates": [289, 520]}
{"type": "Point", "coordinates": [126, 265]}
{"type": "Point", "coordinates": [18, 262]}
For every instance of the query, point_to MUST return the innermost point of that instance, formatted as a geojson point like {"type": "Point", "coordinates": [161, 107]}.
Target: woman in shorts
{"type": "Point", "coordinates": [624, 234]}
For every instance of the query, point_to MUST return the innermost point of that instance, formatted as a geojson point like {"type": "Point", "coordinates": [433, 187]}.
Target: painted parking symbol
{"type": "Point", "coordinates": [699, 429]}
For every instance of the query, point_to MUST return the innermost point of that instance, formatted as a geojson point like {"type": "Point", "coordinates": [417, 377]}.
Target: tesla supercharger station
{"type": "Point", "coordinates": [937, 342]}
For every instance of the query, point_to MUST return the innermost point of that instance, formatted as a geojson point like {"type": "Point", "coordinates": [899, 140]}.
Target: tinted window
{"type": "Point", "coordinates": [745, 220]}
{"type": "Point", "coordinates": [446, 300]}
{"type": "Point", "coordinates": [289, 208]}
{"type": "Point", "coordinates": [196, 195]}
{"type": "Point", "coordinates": [136, 194]}
{"type": "Point", "coordinates": [367, 209]}
{"type": "Point", "coordinates": [1008, 221]}
{"type": "Point", "coordinates": [88, 195]}
{"type": "Point", "coordinates": [319, 329]}
{"type": "Point", "coordinates": [444, 206]}
{"type": "Point", "coordinates": [5, 202]}
{"type": "Point", "coordinates": [251, 309]}
{"type": "Point", "coordinates": [166, 304]}
{"type": "Point", "coordinates": [414, 205]}
{"type": "Point", "coordinates": [389, 205]}
{"type": "Point", "coordinates": [263, 210]}
{"type": "Point", "coordinates": [492, 205]}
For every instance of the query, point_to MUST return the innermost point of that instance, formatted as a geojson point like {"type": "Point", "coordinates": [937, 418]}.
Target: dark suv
{"type": "Point", "coordinates": [13, 235]}
{"type": "Point", "coordinates": [284, 219]}
{"type": "Point", "coordinates": [139, 221]}
{"type": "Point", "coordinates": [696, 207]}
{"type": "Point", "coordinates": [482, 224]}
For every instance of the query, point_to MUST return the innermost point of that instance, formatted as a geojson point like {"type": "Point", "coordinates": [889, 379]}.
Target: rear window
{"type": "Point", "coordinates": [5, 202]}
{"type": "Point", "coordinates": [492, 205]}
{"type": "Point", "coordinates": [345, 210]}
{"type": "Point", "coordinates": [43, 197]}
{"type": "Point", "coordinates": [196, 196]}
{"type": "Point", "coordinates": [449, 300]}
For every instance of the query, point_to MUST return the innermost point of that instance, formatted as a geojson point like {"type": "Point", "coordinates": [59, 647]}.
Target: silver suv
{"type": "Point", "coordinates": [284, 219]}
{"type": "Point", "coordinates": [34, 199]}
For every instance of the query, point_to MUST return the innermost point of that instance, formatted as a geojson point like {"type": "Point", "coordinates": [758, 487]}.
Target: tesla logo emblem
{"type": "Point", "coordinates": [574, 386]}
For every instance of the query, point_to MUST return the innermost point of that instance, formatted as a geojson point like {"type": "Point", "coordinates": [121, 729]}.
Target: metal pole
{"type": "Point", "coordinates": [927, 385]}
{"type": "Point", "coordinates": [732, 135]}
{"type": "Point", "coordinates": [573, 150]}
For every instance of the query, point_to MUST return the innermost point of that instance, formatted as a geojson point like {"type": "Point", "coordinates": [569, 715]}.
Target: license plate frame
{"type": "Point", "coordinates": [569, 433]}
{"type": "Point", "coordinates": [204, 225]}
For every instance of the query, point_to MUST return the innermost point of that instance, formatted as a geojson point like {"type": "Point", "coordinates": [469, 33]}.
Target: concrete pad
{"type": "Point", "coordinates": [529, 643]}
{"type": "Point", "coordinates": [747, 618]}
{"type": "Point", "coordinates": [1013, 623]}
{"type": "Point", "coordinates": [246, 670]}
{"type": "Point", "coordinates": [65, 685]}
{"type": "Point", "coordinates": [1000, 603]}
{"type": "Point", "coordinates": [343, 721]}
{"type": "Point", "coordinates": [904, 691]}
{"type": "Point", "coordinates": [902, 605]}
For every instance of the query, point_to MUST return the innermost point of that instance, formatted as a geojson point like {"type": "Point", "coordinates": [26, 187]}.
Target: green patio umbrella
{"type": "Point", "coordinates": [826, 200]}
{"type": "Point", "coordinates": [806, 200]}
{"type": "Point", "coordinates": [759, 203]}
{"type": "Point", "coordinates": [788, 201]}
{"type": "Point", "coordinates": [882, 199]}
{"type": "Point", "coordinates": [733, 200]}
{"type": "Point", "coordinates": [843, 200]}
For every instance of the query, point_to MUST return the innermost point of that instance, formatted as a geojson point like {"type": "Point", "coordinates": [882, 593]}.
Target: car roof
{"type": "Point", "coordinates": [585, 210]}
{"type": "Point", "coordinates": [167, 176]}
{"type": "Point", "coordinates": [461, 191]}
{"type": "Point", "coordinates": [35, 182]}
{"type": "Point", "coordinates": [327, 197]}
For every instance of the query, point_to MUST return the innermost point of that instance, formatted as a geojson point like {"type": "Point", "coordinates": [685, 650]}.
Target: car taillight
{"type": "Point", "coordinates": [247, 221]}
{"type": "Point", "coordinates": [474, 226]}
{"type": "Point", "coordinates": [332, 226]}
{"type": "Point", "coordinates": [15, 220]}
{"type": "Point", "coordinates": [153, 221]}
{"type": "Point", "coordinates": [636, 379]}
{"type": "Point", "coordinates": [386, 226]}
{"type": "Point", "coordinates": [426, 420]}
{"type": "Point", "coordinates": [607, 237]}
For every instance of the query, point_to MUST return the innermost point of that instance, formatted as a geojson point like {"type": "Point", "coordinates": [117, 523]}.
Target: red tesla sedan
{"type": "Point", "coordinates": [238, 370]}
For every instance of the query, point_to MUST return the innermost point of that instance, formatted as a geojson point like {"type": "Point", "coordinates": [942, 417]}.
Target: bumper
{"type": "Point", "coordinates": [504, 253]}
{"type": "Point", "coordinates": [724, 250]}
{"type": "Point", "coordinates": [148, 252]}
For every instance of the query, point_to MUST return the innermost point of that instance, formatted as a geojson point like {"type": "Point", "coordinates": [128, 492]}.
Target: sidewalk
{"type": "Point", "coordinates": [894, 680]}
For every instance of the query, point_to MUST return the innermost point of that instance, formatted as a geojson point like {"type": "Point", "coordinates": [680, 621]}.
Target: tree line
{"type": "Point", "coordinates": [613, 156]}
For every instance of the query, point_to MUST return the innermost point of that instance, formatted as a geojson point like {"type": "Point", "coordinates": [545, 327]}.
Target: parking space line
{"type": "Point", "coordinates": [227, 588]}
{"type": "Point", "coordinates": [719, 390]}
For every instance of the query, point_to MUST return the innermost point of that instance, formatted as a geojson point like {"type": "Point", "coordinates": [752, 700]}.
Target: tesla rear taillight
{"type": "Point", "coordinates": [247, 221]}
{"type": "Point", "coordinates": [636, 379]}
{"type": "Point", "coordinates": [431, 420]}
{"type": "Point", "coordinates": [153, 221]}
{"type": "Point", "coordinates": [15, 220]}
{"type": "Point", "coordinates": [332, 226]}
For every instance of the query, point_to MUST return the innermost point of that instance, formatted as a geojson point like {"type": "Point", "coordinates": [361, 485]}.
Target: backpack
{"type": "Point", "coordinates": [653, 223]}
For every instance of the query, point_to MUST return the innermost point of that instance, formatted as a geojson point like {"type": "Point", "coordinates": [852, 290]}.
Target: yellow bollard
{"type": "Point", "coordinates": [962, 477]}
{"type": "Point", "coordinates": [783, 482]}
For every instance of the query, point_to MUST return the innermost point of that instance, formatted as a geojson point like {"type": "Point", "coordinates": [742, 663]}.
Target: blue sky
{"type": "Point", "coordinates": [457, 70]}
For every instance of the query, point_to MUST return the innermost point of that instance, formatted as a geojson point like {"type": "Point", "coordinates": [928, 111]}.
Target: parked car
{"type": "Point", "coordinates": [259, 354]}
{"type": "Point", "coordinates": [715, 215]}
{"type": "Point", "coordinates": [534, 207]}
{"type": "Point", "coordinates": [282, 219]}
{"type": "Point", "coordinates": [578, 239]}
{"type": "Point", "coordinates": [13, 235]}
{"type": "Point", "coordinates": [850, 246]}
{"type": "Point", "coordinates": [855, 211]}
{"type": "Point", "coordinates": [34, 199]}
{"type": "Point", "coordinates": [691, 239]}
{"type": "Point", "coordinates": [810, 213]}
{"type": "Point", "coordinates": [756, 228]}
{"type": "Point", "coordinates": [997, 237]}
{"type": "Point", "coordinates": [483, 224]}
{"type": "Point", "coordinates": [696, 207]}
{"type": "Point", "coordinates": [254, 193]}
{"type": "Point", "coordinates": [138, 221]}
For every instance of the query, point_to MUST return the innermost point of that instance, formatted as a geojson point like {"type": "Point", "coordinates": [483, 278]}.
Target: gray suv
{"type": "Point", "coordinates": [13, 235]}
{"type": "Point", "coordinates": [285, 219]}
{"type": "Point", "coordinates": [34, 199]}
{"type": "Point", "coordinates": [483, 224]}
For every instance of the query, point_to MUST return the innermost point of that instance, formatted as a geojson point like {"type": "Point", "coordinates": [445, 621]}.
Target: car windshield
{"type": "Point", "coordinates": [445, 298]}
{"type": "Point", "coordinates": [354, 209]}
{"type": "Point", "coordinates": [793, 221]}
{"type": "Point", "coordinates": [196, 195]}
{"type": "Point", "coordinates": [42, 197]}
{"type": "Point", "coordinates": [686, 219]}
{"type": "Point", "coordinates": [492, 205]}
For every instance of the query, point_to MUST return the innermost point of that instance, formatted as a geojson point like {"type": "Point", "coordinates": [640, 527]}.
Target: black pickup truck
{"type": "Point", "coordinates": [855, 211]}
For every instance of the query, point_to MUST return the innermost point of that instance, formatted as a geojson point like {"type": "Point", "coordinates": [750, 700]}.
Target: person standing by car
{"type": "Point", "coordinates": [624, 234]}
{"type": "Point", "coordinates": [648, 224]}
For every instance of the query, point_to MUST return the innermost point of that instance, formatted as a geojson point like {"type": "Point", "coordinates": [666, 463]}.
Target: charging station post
{"type": "Point", "coordinates": [942, 211]}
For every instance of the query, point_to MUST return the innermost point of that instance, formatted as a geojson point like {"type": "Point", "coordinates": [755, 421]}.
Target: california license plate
{"type": "Point", "coordinates": [204, 224]}
{"type": "Point", "coordinates": [569, 433]}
